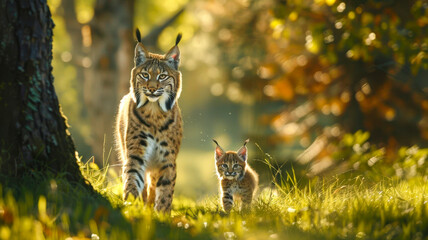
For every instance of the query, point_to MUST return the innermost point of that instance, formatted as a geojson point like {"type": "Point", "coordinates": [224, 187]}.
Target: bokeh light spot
{"type": "Point", "coordinates": [330, 2]}
{"type": "Point", "coordinates": [86, 62]}
{"type": "Point", "coordinates": [293, 16]}
{"type": "Point", "coordinates": [66, 56]}
{"type": "Point", "coordinates": [359, 96]}
{"type": "Point", "coordinates": [366, 88]}
{"type": "Point", "coordinates": [269, 90]}
{"type": "Point", "coordinates": [390, 114]}
{"type": "Point", "coordinates": [217, 89]}
{"type": "Point", "coordinates": [341, 7]}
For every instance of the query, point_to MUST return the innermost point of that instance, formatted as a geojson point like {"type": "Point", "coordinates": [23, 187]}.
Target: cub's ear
{"type": "Point", "coordinates": [242, 152]}
{"type": "Point", "coordinates": [173, 56]}
{"type": "Point", "coordinates": [218, 151]}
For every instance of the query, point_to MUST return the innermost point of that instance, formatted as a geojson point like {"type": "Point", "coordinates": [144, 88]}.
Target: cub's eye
{"type": "Point", "coordinates": [224, 165]}
{"type": "Point", "coordinates": [162, 77]}
{"type": "Point", "coordinates": [144, 75]}
{"type": "Point", "coordinates": [236, 166]}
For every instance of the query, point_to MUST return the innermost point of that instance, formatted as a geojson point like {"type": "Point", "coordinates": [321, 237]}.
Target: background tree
{"type": "Point", "coordinates": [330, 67]}
{"type": "Point", "coordinates": [33, 132]}
{"type": "Point", "coordinates": [111, 34]}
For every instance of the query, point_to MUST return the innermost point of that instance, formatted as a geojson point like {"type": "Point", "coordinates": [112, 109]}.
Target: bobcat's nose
{"type": "Point", "coordinates": [152, 90]}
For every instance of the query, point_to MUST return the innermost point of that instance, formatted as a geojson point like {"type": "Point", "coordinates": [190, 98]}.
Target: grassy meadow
{"type": "Point", "coordinates": [355, 208]}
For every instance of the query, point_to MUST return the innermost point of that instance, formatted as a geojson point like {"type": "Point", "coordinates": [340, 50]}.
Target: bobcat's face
{"type": "Point", "coordinates": [155, 81]}
{"type": "Point", "coordinates": [156, 78]}
{"type": "Point", "coordinates": [230, 166]}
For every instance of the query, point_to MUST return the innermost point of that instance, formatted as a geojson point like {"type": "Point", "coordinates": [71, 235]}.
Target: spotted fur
{"type": "Point", "coordinates": [149, 127]}
{"type": "Point", "coordinates": [237, 178]}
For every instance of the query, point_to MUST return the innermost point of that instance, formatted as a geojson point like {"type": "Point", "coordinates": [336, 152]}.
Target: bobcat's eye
{"type": "Point", "coordinates": [144, 76]}
{"type": "Point", "coordinates": [224, 165]}
{"type": "Point", "coordinates": [236, 166]}
{"type": "Point", "coordinates": [162, 77]}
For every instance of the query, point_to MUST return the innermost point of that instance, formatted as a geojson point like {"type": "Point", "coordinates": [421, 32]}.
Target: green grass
{"type": "Point", "coordinates": [333, 209]}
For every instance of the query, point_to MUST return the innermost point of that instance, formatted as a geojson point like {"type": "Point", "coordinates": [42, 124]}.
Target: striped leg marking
{"type": "Point", "coordinates": [227, 200]}
{"type": "Point", "coordinates": [165, 188]}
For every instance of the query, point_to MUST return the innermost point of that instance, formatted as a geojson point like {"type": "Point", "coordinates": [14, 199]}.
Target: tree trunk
{"type": "Point", "coordinates": [33, 131]}
{"type": "Point", "coordinates": [111, 55]}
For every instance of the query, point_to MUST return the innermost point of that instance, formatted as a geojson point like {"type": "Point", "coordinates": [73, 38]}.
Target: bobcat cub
{"type": "Point", "coordinates": [149, 127]}
{"type": "Point", "coordinates": [237, 178]}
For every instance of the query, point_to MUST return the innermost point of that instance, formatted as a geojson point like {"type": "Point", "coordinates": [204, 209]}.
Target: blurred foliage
{"type": "Point", "coordinates": [329, 67]}
{"type": "Point", "coordinates": [354, 156]}
{"type": "Point", "coordinates": [149, 14]}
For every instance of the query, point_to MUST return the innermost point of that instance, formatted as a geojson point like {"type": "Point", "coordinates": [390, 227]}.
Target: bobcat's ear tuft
{"type": "Point", "coordinates": [242, 152]}
{"type": "Point", "coordinates": [178, 39]}
{"type": "Point", "coordinates": [138, 35]}
{"type": "Point", "coordinates": [218, 151]}
{"type": "Point", "coordinates": [141, 54]}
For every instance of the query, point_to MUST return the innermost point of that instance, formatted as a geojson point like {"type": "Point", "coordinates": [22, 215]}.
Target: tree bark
{"type": "Point", "coordinates": [33, 131]}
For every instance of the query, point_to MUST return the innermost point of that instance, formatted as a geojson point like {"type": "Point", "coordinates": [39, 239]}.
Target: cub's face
{"type": "Point", "coordinates": [156, 78]}
{"type": "Point", "coordinates": [230, 165]}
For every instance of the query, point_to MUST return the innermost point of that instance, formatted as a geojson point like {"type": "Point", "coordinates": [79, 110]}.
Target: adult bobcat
{"type": "Point", "coordinates": [149, 127]}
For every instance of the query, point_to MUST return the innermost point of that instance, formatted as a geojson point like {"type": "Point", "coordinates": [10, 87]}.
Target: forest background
{"type": "Point", "coordinates": [326, 87]}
